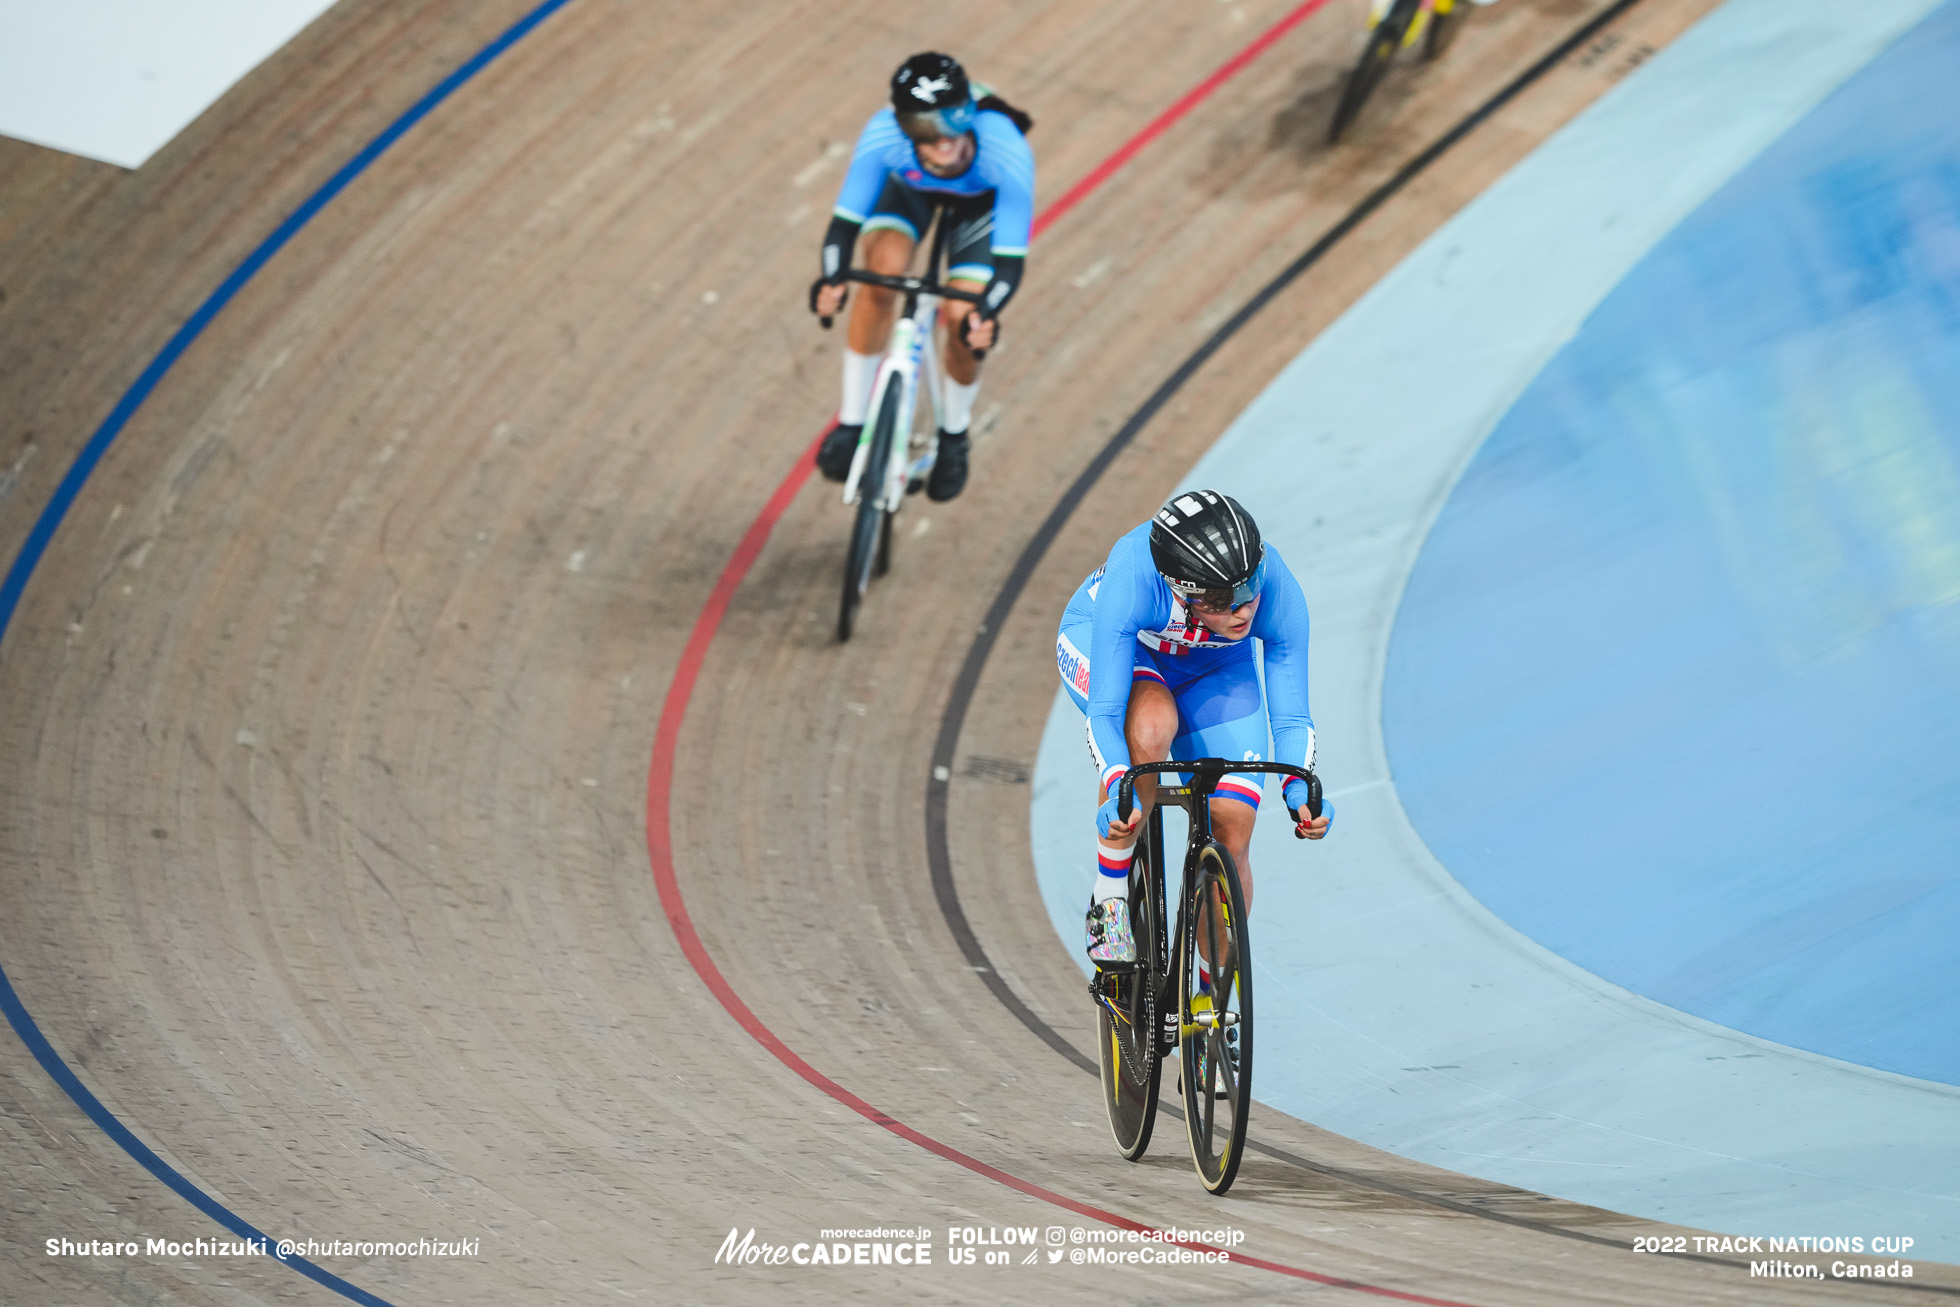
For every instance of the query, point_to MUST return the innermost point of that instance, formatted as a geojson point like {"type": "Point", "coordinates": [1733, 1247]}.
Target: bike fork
{"type": "Point", "coordinates": [926, 365]}
{"type": "Point", "coordinates": [900, 368]}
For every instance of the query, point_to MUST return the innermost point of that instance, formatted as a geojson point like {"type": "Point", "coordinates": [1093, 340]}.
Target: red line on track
{"type": "Point", "coordinates": [660, 772]}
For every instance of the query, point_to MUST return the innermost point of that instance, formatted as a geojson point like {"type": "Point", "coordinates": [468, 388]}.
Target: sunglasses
{"type": "Point", "coordinates": [1222, 599]}
{"type": "Point", "coordinates": [928, 125]}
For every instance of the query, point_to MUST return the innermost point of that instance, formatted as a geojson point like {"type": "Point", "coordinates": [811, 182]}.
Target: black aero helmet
{"type": "Point", "coordinates": [931, 97]}
{"type": "Point", "coordinates": [1208, 548]}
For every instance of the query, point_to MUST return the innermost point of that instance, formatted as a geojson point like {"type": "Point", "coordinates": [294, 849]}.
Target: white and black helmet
{"type": "Point", "coordinates": [932, 97]}
{"type": "Point", "coordinates": [1208, 547]}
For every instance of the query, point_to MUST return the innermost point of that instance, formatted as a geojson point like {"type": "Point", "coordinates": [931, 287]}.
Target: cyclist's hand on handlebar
{"type": "Point", "coordinates": [1295, 793]}
{"type": "Point", "coordinates": [978, 333]}
{"type": "Point", "coordinates": [1108, 825]}
{"type": "Point", "coordinates": [827, 297]}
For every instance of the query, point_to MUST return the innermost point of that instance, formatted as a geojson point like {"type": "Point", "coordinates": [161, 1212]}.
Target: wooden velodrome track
{"type": "Point", "coordinates": [328, 711]}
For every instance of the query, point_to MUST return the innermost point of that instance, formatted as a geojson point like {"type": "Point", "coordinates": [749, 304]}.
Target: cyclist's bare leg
{"type": "Point", "coordinates": [889, 253]}
{"type": "Point", "coordinates": [1148, 727]}
{"type": "Point", "coordinates": [1231, 822]}
{"type": "Point", "coordinates": [961, 366]}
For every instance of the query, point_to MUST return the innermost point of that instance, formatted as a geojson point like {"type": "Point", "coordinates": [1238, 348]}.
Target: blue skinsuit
{"type": "Point", "coordinates": [1002, 163]}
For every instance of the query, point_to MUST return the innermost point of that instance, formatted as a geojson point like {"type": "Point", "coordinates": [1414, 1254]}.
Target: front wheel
{"type": "Point", "coordinates": [884, 563]}
{"type": "Point", "coordinates": [1215, 1018]}
{"type": "Point", "coordinates": [872, 521]}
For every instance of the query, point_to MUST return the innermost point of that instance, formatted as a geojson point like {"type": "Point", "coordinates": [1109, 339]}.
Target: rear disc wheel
{"type": "Point", "coordinates": [1132, 1068]}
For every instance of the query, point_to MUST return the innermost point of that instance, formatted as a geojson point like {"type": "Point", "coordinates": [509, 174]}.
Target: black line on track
{"type": "Point", "coordinates": [938, 850]}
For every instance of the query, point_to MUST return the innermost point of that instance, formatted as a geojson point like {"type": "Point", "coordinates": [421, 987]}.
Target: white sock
{"type": "Point", "coordinates": [956, 405]}
{"type": "Point", "coordinates": [1113, 871]}
{"type": "Point", "coordinates": [860, 370]}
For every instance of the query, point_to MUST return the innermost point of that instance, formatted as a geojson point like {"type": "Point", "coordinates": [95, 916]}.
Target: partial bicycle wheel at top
{"type": "Point", "coordinates": [1434, 22]}
{"type": "Point", "coordinates": [1445, 20]}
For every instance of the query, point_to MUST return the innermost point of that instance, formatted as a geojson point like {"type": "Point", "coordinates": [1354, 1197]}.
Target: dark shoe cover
{"type": "Point", "coordinates": [949, 472]}
{"type": "Point", "coordinates": [834, 458]}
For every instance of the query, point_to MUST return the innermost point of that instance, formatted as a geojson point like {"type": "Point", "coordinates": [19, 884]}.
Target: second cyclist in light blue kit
{"type": "Point", "coordinates": [942, 140]}
{"type": "Point", "coordinates": [1156, 649]}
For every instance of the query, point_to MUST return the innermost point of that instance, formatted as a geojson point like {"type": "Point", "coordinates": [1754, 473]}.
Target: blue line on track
{"type": "Point", "coordinates": [57, 510]}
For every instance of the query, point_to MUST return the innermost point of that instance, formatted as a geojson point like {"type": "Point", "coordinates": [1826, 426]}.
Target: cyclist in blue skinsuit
{"type": "Point", "coordinates": [1156, 649]}
{"type": "Point", "coordinates": [944, 139]}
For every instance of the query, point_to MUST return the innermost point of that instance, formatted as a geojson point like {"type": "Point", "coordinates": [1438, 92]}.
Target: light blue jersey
{"type": "Point", "coordinates": [1125, 621]}
{"type": "Point", "coordinates": [1002, 164]}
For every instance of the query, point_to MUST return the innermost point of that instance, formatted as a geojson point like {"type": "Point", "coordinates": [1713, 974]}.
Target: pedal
{"type": "Point", "coordinates": [1100, 992]}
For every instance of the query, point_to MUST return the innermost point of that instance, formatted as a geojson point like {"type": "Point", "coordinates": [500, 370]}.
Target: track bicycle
{"type": "Point", "coordinates": [1395, 25]}
{"type": "Point", "coordinates": [1157, 1005]}
{"type": "Point", "coordinates": [893, 459]}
